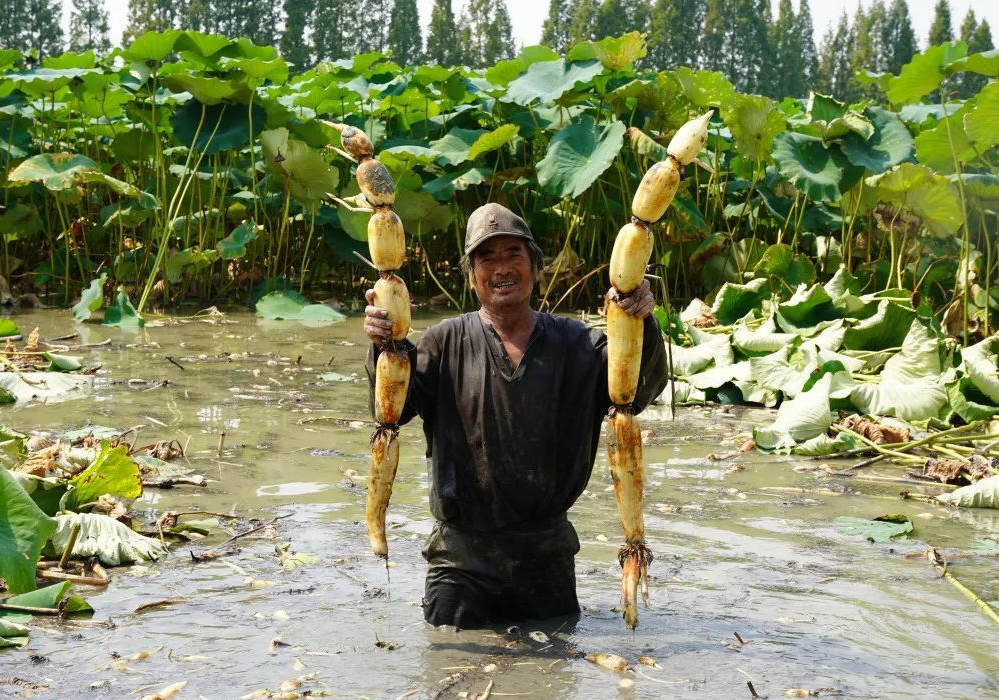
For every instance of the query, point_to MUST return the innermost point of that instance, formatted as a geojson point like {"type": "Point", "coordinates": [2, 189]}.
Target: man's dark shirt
{"type": "Point", "coordinates": [512, 449]}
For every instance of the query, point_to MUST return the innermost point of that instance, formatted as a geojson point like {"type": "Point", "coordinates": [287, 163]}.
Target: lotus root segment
{"type": "Point", "coordinates": [656, 191]}
{"type": "Point", "coordinates": [384, 463]}
{"type": "Point", "coordinates": [632, 249]}
{"type": "Point", "coordinates": [391, 385]}
{"type": "Point", "coordinates": [354, 141]}
{"type": "Point", "coordinates": [386, 240]}
{"type": "Point", "coordinates": [376, 183]}
{"type": "Point", "coordinates": [624, 353]}
{"type": "Point", "coordinates": [391, 294]}
{"type": "Point", "coordinates": [689, 140]}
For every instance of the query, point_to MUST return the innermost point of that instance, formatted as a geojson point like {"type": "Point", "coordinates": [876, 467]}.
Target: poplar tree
{"type": "Point", "coordinates": [940, 30]}
{"type": "Point", "coordinates": [978, 36]}
{"type": "Point", "coordinates": [333, 25]}
{"type": "Point", "coordinates": [42, 30]}
{"type": "Point", "coordinates": [374, 17]}
{"type": "Point", "coordinates": [88, 27]}
{"type": "Point", "coordinates": [669, 46]}
{"type": "Point", "coordinates": [583, 26]}
{"type": "Point", "coordinates": [870, 50]}
{"type": "Point", "coordinates": [152, 16]}
{"type": "Point", "coordinates": [901, 39]}
{"type": "Point", "coordinates": [442, 36]}
{"type": "Point", "coordinates": [12, 21]}
{"type": "Point", "coordinates": [735, 42]}
{"type": "Point", "coordinates": [555, 31]}
{"type": "Point", "coordinates": [404, 38]}
{"type": "Point", "coordinates": [806, 38]}
{"type": "Point", "coordinates": [617, 17]}
{"type": "Point", "coordinates": [499, 41]}
{"type": "Point", "coordinates": [293, 46]}
{"type": "Point", "coordinates": [785, 41]}
{"type": "Point", "coordinates": [834, 60]}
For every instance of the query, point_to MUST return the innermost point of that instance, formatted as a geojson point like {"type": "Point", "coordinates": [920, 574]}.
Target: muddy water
{"type": "Point", "coordinates": [816, 608]}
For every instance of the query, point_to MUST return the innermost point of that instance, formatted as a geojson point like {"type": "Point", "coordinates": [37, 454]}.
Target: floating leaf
{"type": "Point", "coordinates": [112, 542]}
{"type": "Point", "coordinates": [112, 473]}
{"type": "Point", "coordinates": [291, 306]}
{"type": "Point", "coordinates": [43, 386]}
{"type": "Point", "coordinates": [578, 155]}
{"type": "Point", "coordinates": [872, 530]}
{"type": "Point", "coordinates": [24, 528]}
{"type": "Point", "coordinates": [981, 494]}
{"type": "Point", "coordinates": [799, 419]}
{"type": "Point", "coordinates": [47, 597]}
{"type": "Point", "coordinates": [122, 314]}
{"type": "Point", "coordinates": [91, 299]}
{"type": "Point", "coordinates": [233, 246]}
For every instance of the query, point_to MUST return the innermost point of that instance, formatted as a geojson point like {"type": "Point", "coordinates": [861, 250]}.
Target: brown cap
{"type": "Point", "coordinates": [491, 220]}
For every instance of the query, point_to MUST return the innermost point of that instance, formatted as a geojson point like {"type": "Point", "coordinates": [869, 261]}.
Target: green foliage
{"type": "Point", "coordinates": [578, 155]}
{"type": "Point", "coordinates": [112, 472]}
{"type": "Point", "coordinates": [24, 528]}
{"type": "Point", "coordinates": [290, 306]}
{"type": "Point", "coordinates": [121, 313]}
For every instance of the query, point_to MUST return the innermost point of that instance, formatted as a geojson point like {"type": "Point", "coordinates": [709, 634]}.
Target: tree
{"type": "Point", "coordinates": [442, 36]}
{"type": "Point", "coordinates": [293, 46]}
{"type": "Point", "coordinates": [12, 22]}
{"type": "Point", "coordinates": [834, 60]}
{"type": "Point", "coordinates": [499, 41]}
{"type": "Point", "coordinates": [617, 17]}
{"type": "Point", "coordinates": [979, 38]}
{"type": "Point", "coordinates": [667, 47]}
{"type": "Point", "coordinates": [982, 38]}
{"type": "Point", "coordinates": [583, 27]}
{"type": "Point", "coordinates": [41, 30]}
{"type": "Point", "coordinates": [404, 38]}
{"type": "Point", "coordinates": [334, 26]}
{"type": "Point", "coordinates": [806, 37]}
{"type": "Point", "coordinates": [940, 30]}
{"type": "Point", "coordinates": [870, 49]}
{"type": "Point", "coordinates": [374, 17]}
{"type": "Point", "coordinates": [88, 27]}
{"type": "Point", "coordinates": [735, 42]}
{"type": "Point", "coordinates": [785, 40]}
{"type": "Point", "coordinates": [485, 33]}
{"type": "Point", "coordinates": [152, 16]}
{"type": "Point", "coordinates": [555, 31]}
{"type": "Point", "coordinates": [901, 39]}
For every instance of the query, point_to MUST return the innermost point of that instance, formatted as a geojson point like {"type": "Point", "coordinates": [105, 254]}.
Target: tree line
{"type": "Point", "coordinates": [775, 56]}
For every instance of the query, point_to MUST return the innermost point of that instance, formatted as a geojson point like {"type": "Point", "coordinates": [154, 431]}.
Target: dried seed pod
{"type": "Point", "coordinates": [632, 249]}
{"type": "Point", "coordinates": [391, 294]}
{"type": "Point", "coordinates": [384, 463]}
{"type": "Point", "coordinates": [386, 240]}
{"type": "Point", "coordinates": [624, 353]}
{"type": "Point", "coordinates": [690, 139]}
{"type": "Point", "coordinates": [376, 182]}
{"type": "Point", "coordinates": [656, 191]}
{"type": "Point", "coordinates": [391, 385]}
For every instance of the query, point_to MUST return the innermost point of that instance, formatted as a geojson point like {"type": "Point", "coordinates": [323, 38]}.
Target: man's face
{"type": "Point", "coordinates": [502, 276]}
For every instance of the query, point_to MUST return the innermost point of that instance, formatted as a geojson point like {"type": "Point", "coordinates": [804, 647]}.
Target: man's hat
{"type": "Point", "coordinates": [491, 220]}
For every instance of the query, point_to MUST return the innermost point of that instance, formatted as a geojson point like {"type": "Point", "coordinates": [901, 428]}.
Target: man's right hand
{"type": "Point", "coordinates": [377, 325]}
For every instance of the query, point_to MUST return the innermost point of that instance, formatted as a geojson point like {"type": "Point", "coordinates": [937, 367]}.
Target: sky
{"type": "Point", "coordinates": [528, 16]}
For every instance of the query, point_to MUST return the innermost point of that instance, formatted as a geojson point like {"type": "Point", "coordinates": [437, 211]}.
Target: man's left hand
{"type": "Point", "coordinates": [639, 303]}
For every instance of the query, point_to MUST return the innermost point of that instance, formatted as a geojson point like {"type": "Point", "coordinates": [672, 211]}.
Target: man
{"type": "Point", "coordinates": [512, 401]}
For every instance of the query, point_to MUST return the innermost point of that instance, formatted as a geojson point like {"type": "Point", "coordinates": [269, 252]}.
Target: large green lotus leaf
{"type": "Point", "coordinates": [886, 328]}
{"type": "Point", "coordinates": [121, 313]}
{"type": "Point", "coordinates": [704, 88]}
{"type": "Point", "coordinates": [981, 494]}
{"type": "Point", "coordinates": [504, 72]}
{"type": "Point", "coordinates": [578, 155]}
{"type": "Point", "coordinates": [233, 246]}
{"type": "Point", "coordinates": [733, 301]}
{"type": "Point", "coordinates": [981, 364]}
{"type": "Point", "coordinates": [615, 53]}
{"type": "Point", "coordinates": [926, 194]}
{"type": "Point", "coordinates": [47, 597]}
{"type": "Point", "coordinates": [707, 349]}
{"type": "Point", "coordinates": [146, 200]}
{"type": "Point", "coordinates": [780, 261]}
{"type": "Point", "coordinates": [454, 147]}
{"type": "Point", "coordinates": [968, 403]}
{"type": "Point", "coordinates": [753, 393]}
{"type": "Point", "coordinates": [194, 258]}
{"type": "Point", "coordinates": [919, 113]}
{"type": "Point", "coordinates": [547, 81]}
{"type": "Point", "coordinates": [444, 187]}
{"type": "Point", "coordinates": [890, 144]}
{"type": "Point", "coordinates": [924, 72]}
{"type": "Point", "coordinates": [200, 45]}
{"type": "Point", "coordinates": [112, 472]}
{"type": "Point", "coordinates": [719, 375]}
{"type": "Point", "coordinates": [112, 542]}
{"type": "Point", "coordinates": [807, 307]}
{"type": "Point", "coordinates": [872, 530]}
{"type": "Point", "coordinates": [984, 63]}
{"type": "Point", "coordinates": [754, 121]}
{"type": "Point", "coordinates": [981, 189]}
{"type": "Point", "coordinates": [823, 109]}
{"type": "Point", "coordinates": [910, 386]}
{"type": "Point", "coordinates": [206, 89]}
{"type": "Point", "coordinates": [822, 172]}
{"type": "Point", "coordinates": [8, 58]}
{"type": "Point", "coordinates": [761, 340]}
{"type": "Point", "coordinates": [291, 306]}
{"type": "Point", "coordinates": [802, 418]}
{"type": "Point", "coordinates": [13, 634]}
{"type": "Point", "coordinates": [785, 370]}
{"type": "Point", "coordinates": [152, 46]}
{"type": "Point", "coordinates": [56, 171]}
{"type": "Point", "coordinates": [982, 122]}
{"type": "Point", "coordinates": [24, 528]}
{"type": "Point", "coordinates": [850, 123]}
{"type": "Point", "coordinates": [134, 145]}
{"type": "Point", "coordinates": [256, 70]}
{"type": "Point", "coordinates": [43, 386]}
{"type": "Point", "coordinates": [497, 138]}
{"type": "Point", "coordinates": [222, 127]}
{"type": "Point", "coordinates": [421, 213]}
{"type": "Point", "coordinates": [306, 173]}
{"type": "Point", "coordinates": [62, 363]}
{"type": "Point", "coordinates": [46, 492]}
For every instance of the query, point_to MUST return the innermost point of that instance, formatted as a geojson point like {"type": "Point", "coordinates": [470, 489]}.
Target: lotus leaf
{"type": "Point", "coordinates": [807, 307]}
{"type": "Point", "coordinates": [504, 72]}
{"type": "Point", "coordinates": [208, 90]}
{"type": "Point", "coordinates": [176, 263]}
{"type": "Point", "coordinates": [873, 530]}
{"type": "Point", "coordinates": [305, 172]}
{"type": "Point", "coordinates": [497, 138]}
{"type": "Point", "coordinates": [62, 363]}
{"type": "Point", "coordinates": [760, 340]}
{"type": "Point", "coordinates": [8, 328]}
{"type": "Point", "coordinates": [981, 364]}
{"type": "Point", "coordinates": [196, 44]}
{"type": "Point", "coordinates": [682, 393]}
{"type": "Point", "coordinates": [44, 386]}
{"type": "Point", "coordinates": [112, 542]}
{"type": "Point", "coordinates": [56, 171]}
{"type": "Point", "coordinates": [547, 81]}
{"type": "Point", "coordinates": [984, 63]}
{"type": "Point", "coordinates": [938, 147]}
{"type": "Point", "coordinates": [825, 445]}
{"type": "Point", "coordinates": [444, 187]}
{"type": "Point", "coordinates": [889, 144]}
{"type": "Point", "coordinates": [47, 597]}
{"type": "Point", "coordinates": [112, 473]}
{"type": "Point", "coordinates": [981, 189]}
{"type": "Point", "coordinates": [780, 261]}
{"type": "Point", "coordinates": [850, 123]}
{"type": "Point", "coordinates": [578, 154]}
{"type": "Point", "coordinates": [291, 306]}
{"type": "Point", "coordinates": [455, 146]}
{"type": "Point", "coordinates": [421, 213]}
{"type": "Point", "coordinates": [213, 128]}
{"type": "Point", "coordinates": [233, 246]}
{"type": "Point", "coordinates": [24, 528]}
{"type": "Point", "coordinates": [822, 109]}
{"type": "Point", "coordinates": [927, 195]}
{"type": "Point", "coordinates": [754, 122]}
{"type": "Point", "coordinates": [924, 72]}
{"type": "Point", "coordinates": [981, 494]}
{"type": "Point", "coordinates": [258, 70]}
{"type": "Point", "coordinates": [982, 122]}
{"type": "Point", "coordinates": [704, 88]}
{"type": "Point", "coordinates": [46, 492]}
{"type": "Point", "coordinates": [967, 401]}
{"type": "Point", "coordinates": [707, 349]}
{"type": "Point", "coordinates": [822, 172]}
{"type": "Point", "coordinates": [734, 301]}
{"type": "Point", "coordinates": [615, 53]}
{"type": "Point", "coordinates": [800, 419]}
{"type": "Point", "coordinates": [719, 375]}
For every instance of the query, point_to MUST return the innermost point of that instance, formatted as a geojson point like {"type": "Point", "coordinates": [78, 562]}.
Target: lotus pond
{"type": "Point", "coordinates": [765, 570]}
